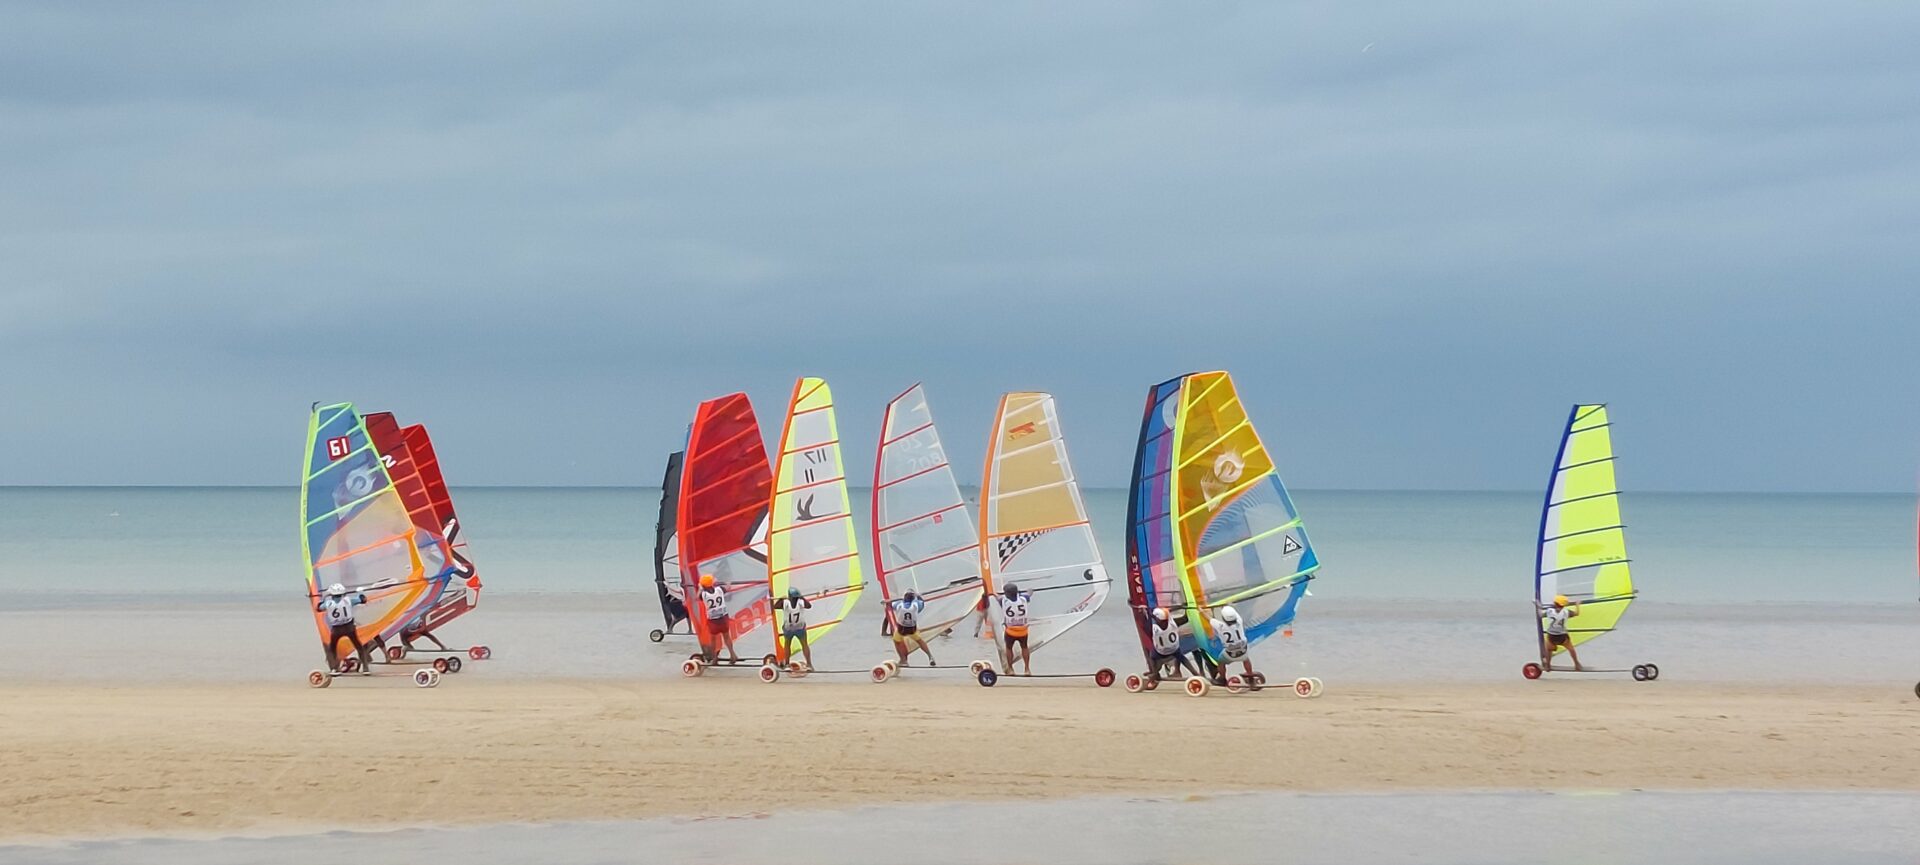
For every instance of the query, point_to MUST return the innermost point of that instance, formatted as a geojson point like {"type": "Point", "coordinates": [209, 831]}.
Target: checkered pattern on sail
{"type": "Point", "coordinates": [1012, 544]}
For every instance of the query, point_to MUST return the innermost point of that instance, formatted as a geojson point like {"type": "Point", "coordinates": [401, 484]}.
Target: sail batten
{"type": "Point", "coordinates": [721, 518]}
{"type": "Point", "coordinates": [811, 541]}
{"type": "Point", "coordinates": [1581, 551]}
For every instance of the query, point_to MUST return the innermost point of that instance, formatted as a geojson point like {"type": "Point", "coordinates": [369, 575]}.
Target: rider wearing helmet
{"type": "Point", "coordinates": [1165, 632]}
{"type": "Point", "coordinates": [1013, 626]}
{"type": "Point", "coordinates": [713, 601]}
{"type": "Point", "coordinates": [1232, 633]}
{"type": "Point", "coordinates": [793, 623]}
{"type": "Point", "coordinates": [340, 611]}
{"type": "Point", "coordinates": [903, 613]}
{"type": "Point", "coordinates": [1553, 625]}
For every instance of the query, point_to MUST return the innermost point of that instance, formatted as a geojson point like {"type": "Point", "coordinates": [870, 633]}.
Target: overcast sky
{"type": "Point", "coordinates": [1415, 232]}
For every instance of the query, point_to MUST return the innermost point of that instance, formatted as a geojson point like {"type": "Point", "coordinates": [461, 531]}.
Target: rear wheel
{"type": "Point", "coordinates": [769, 673]}
{"type": "Point", "coordinates": [987, 677]}
{"type": "Point", "coordinates": [880, 673]}
{"type": "Point", "coordinates": [349, 665]}
{"type": "Point", "coordinates": [692, 667]}
{"type": "Point", "coordinates": [1257, 679]}
{"type": "Point", "coordinates": [770, 659]}
{"type": "Point", "coordinates": [440, 665]}
{"type": "Point", "coordinates": [1236, 685]}
{"type": "Point", "coordinates": [893, 667]}
{"type": "Point", "coordinates": [656, 635]}
{"type": "Point", "coordinates": [1136, 683]}
{"type": "Point", "coordinates": [454, 664]}
{"type": "Point", "coordinates": [1198, 687]}
{"type": "Point", "coordinates": [425, 678]}
{"type": "Point", "coordinates": [1640, 672]}
{"type": "Point", "coordinates": [1152, 684]}
{"type": "Point", "coordinates": [1653, 672]}
{"type": "Point", "coordinates": [320, 679]}
{"type": "Point", "coordinates": [1103, 678]}
{"type": "Point", "coordinates": [396, 653]}
{"type": "Point", "coordinates": [1303, 688]}
{"type": "Point", "coordinates": [1531, 671]}
{"type": "Point", "coordinates": [977, 666]}
{"type": "Point", "coordinates": [1318, 686]}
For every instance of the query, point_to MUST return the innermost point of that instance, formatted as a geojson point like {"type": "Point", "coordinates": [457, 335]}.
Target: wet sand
{"type": "Point", "coordinates": [87, 760]}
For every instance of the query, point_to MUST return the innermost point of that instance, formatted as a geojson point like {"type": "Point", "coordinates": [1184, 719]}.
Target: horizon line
{"type": "Point", "coordinates": [965, 486]}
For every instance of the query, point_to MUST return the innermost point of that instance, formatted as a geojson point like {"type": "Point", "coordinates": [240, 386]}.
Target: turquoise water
{"type": "Point", "coordinates": [1688, 548]}
{"type": "Point", "coordinates": [1708, 828]}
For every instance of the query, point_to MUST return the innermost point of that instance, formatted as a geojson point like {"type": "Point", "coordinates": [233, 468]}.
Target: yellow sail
{"type": "Point", "coordinates": [810, 545]}
{"type": "Point", "coordinates": [1583, 543]}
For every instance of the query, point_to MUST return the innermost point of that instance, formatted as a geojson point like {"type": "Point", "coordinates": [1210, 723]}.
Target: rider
{"type": "Point", "coordinates": [340, 608]}
{"type": "Point", "coordinates": [793, 626]}
{"type": "Point", "coordinates": [713, 600]}
{"type": "Point", "coordinates": [1164, 629]}
{"type": "Point", "coordinates": [1013, 625]}
{"type": "Point", "coordinates": [1555, 621]}
{"type": "Point", "coordinates": [905, 612]}
{"type": "Point", "coordinates": [1233, 640]}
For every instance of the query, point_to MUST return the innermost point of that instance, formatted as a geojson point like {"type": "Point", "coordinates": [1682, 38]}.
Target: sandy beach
{"type": "Point", "coordinates": [143, 760]}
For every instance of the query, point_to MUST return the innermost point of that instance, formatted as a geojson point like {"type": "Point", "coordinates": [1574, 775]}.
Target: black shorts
{"type": "Point", "coordinates": [1011, 639]}
{"type": "Point", "coordinates": [1560, 640]}
{"type": "Point", "coordinates": [907, 630]}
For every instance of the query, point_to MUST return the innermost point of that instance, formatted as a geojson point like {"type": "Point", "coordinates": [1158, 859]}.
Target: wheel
{"type": "Point", "coordinates": [486, 653]}
{"type": "Point", "coordinates": [474, 653]}
{"type": "Point", "coordinates": [1916, 689]}
{"type": "Point", "coordinates": [396, 653]}
{"type": "Point", "coordinates": [770, 659]}
{"type": "Point", "coordinates": [880, 673]}
{"type": "Point", "coordinates": [454, 664]}
{"type": "Point", "coordinates": [425, 678]}
{"type": "Point", "coordinates": [349, 665]}
{"type": "Point", "coordinates": [1152, 684]}
{"type": "Point", "coordinates": [696, 656]}
{"type": "Point", "coordinates": [1318, 686]}
{"type": "Point", "coordinates": [320, 679]}
{"type": "Point", "coordinates": [977, 666]}
{"type": "Point", "coordinates": [987, 677]}
{"type": "Point", "coordinates": [1640, 672]}
{"type": "Point", "coordinates": [1303, 688]}
{"type": "Point", "coordinates": [440, 665]}
{"type": "Point", "coordinates": [1257, 679]}
{"type": "Point", "coordinates": [1103, 677]}
{"type": "Point", "coordinates": [1136, 683]}
{"type": "Point", "coordinates": [656, 635]}
{"type": "Point", "coordinates": [893, 667]}
{"type": "Point", "coordinates": [769, 673]}
{"type": "Point", "coordinates": [1198, 687]}
{"type": "Point", "coordinates": [1531, 671]}
{"type": "Point", "coordinates": [797, 669]}
{"type": "Point", "coordinates": [692, 667]}
{"type": "Point", "coordinates": [1236, 685]}
{"type": "Point", "coordinates": [1653, 672]}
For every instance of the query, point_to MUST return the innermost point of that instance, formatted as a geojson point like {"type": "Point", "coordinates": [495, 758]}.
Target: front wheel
{"type": "Point", "coordinates": [1653, 672]}
{"type": "Point", "coordinates": [1531, 671]}
{"type": "Point", "coordinates": [440, 665]}
{"type": "Point", "coordinates": [1197, 686]}
{"type": "Point", "coordinates": [1103, 678]}
{"type": "Point", "coordinates": [987, 677]}
{"type": "Point", "coordinates": [320, 679]}
{"type": "Point", "coordinates": [656, 635]}
{"type": "Point", "coordinates": [454, 665]}
{"type": "Point", "coordinates": [1136, 683]}
{"type": "Point", "coordinates": [692, 667]}
{"type": "Point", "coordinates": [880, 673]}
{"type": "Point", "coordinates": [1303, 688]}
{"type": "Point", "coordinates": [769, 673]}
{"type": "Point", "coordinates": [1640, 672]}
{"type": "Point", "coordinates": [425, 678]}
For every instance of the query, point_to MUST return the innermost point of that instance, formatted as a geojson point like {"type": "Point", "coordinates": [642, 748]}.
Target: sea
{"type": "Point", "coordinates": [1414, 585]}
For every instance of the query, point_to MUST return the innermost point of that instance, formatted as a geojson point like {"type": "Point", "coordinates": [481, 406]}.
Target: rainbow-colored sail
{"type": "Point", "coordinates": [810, 544]}
{"type": "Point", "coordinates": [1236, 537]}
{"type": "Point", "coordinates": [358, 531]}
{"type": "Point", "coordinates": [1154, 576]}
{"type": "Point", "coordinates": [1583, 543]}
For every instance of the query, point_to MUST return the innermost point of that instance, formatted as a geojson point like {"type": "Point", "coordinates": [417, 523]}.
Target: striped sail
{"type": "Point", "coordinates": [924, 540]}
{"type": "Point", "coordinates": [1583, 544]}
{"type": "Point", "coordinates": [810, 544]}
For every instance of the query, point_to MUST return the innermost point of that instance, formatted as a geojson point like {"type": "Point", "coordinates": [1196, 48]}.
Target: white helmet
{"type": "Point", "coordinates": [336, 590]}
{"type": "Point", "coordinates": [1229, 615]}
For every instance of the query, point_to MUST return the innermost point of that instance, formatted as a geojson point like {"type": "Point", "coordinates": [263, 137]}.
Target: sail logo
{"type": "Point", "coordinates": [337, 448]}
{"type": "Point", "coordinates": [1021, 431]}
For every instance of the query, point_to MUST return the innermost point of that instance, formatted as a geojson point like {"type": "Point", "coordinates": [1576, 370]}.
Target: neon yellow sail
{"type": "Point", "coordinates": [810, 545]}
{"type": "Point", "coordinates": [1237, 537]}
{"type": "Point", "coordinates": [1583, 543]}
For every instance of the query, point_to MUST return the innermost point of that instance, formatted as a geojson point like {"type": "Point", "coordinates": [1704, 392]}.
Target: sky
{"type": "Point", "coordinates": [1415, 232]}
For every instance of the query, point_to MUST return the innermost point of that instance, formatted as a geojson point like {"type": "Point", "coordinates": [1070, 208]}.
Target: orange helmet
{"type": "Point", "coordinates": [706, 580]}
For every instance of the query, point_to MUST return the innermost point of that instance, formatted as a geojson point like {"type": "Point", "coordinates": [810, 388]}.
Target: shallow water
{"type": "Point", "coordinates": [1705, 828]}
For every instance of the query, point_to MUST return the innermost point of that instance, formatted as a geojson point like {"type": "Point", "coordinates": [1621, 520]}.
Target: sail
{"type": "Point", "coordinates": [357, 531]}
{"type": "Point", "coordinates": [924, 540]}
{"type": "Point", "coordinates": [1153, 576]}
{"type": "Point", "coordinates": [725, 485]}
{"type": "Point", "coordinates": [811, 545]}
{"type": "Point", "coordinates": [666, 546]}
{"type": "Point", "coordinates": [415, 471]}
{"type": "Point", "coordinates": [1034, 529]}
{"type": "Point", "coordinates": [1583, 543]}
{"type": "Point", "coordinates": [1237, 535]}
